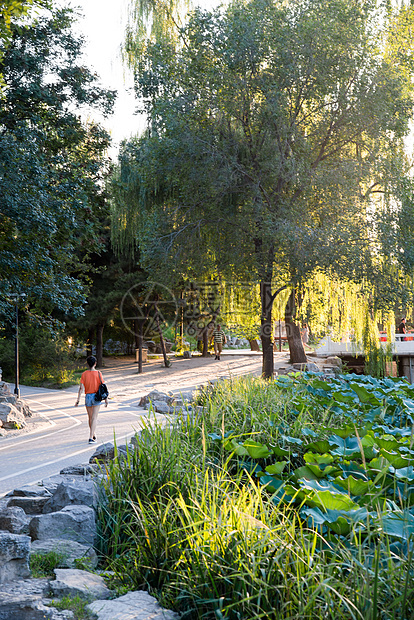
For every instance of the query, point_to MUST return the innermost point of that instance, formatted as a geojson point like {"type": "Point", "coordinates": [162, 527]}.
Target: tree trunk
{"type": "Point", "coordinates": [296, 349]}
{"type": "Point", "coordinates": [205, 342]}
{"type": "Point", "coordinates": [254, 345]}
{"type": "Point", "coordinates": [89, 341]}
{"type": "Point", "coordinates": [99, 345]}
{"type": "Point", "coordinates": [167, 362]}
{"type": "Point", "coordinates": [266, 329]}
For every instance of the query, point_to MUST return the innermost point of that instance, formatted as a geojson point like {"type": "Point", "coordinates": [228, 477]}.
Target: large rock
{"type": "Point", "coordinates": [70, 550]}
{"type": "Point", "coordinates": [31, 505]}
{"type": "Point", "coordinates": [103, 453]}
{"type": "Point", "coordinates": [307, 367]}
{"type": "Point", "coordinates": [73, 582]}
{"type": "Point", "coordinates": [333, 360]}
{"type": "Point", "coordinates": [155, 395]}
{"type": "Point", "coordinates": [159, 406]}
{"type": "Point", "coordinates": [71, 523]}
{"type": "Point", "coordinates": [22, 600]}
{"type": "Point", "coordinates": [11, 417]}
{"type": "Point", "coordinates": [34, 490]}
{"type": "Point", "coordinates": [14, 520]}
{"type": "Point", "coordinates": [86, 470]}
{"type": "Point", "coordinates": [14, 557]}
{"type": "Point", "coordinates": [69, 493]}
{"type": "Point", "coordinates": [23, 407]}
{"type": "Point", "coordinates": [52, 483]}
{"type": "Point", "coordinates": [132, 606]}
{"type": "Point", "coordinates": [4, 388]}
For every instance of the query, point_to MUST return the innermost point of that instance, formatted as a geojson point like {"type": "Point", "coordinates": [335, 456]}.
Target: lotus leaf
{"type": "Point", "coordinates": [345, 432]}
{"type": "Point", "coordinates": [334, 501]}
{"type": "Point", "coordinates": [322, 446]}
{"type": "Point", "coordinates": [232, 446]}
{"type": "Point", "coordinates": [395, 459]}
{"type": "Point", "coordinates": [252, 468]}
{"type": "Point", "coordinates": [364, 395]}
{"type": "Point", "coordinates": [399, 524]}
{"type": "Point", "coordinates": [308, 432]}
{"type": "Point", "coordinates": [272, 484]}
{"type": "Point", "coordinates": [323, 385]}
{"type": "Point", "coordinates": [278, 451]}
{"type": "Point", "coordinates": [276, 468]}
{"type": "Point", "coordinates": [340, 397]}
{"type": "Point", "coordinates": [348, 468]}
{"type": "Point", "coordinates": [304, 472]}
{"type": "Point", "coordinates": [256, 450]}
{"type": "Point", "coordinates": [405, 473]}
{"type": "Point", "coordinates": [295, 440]}
{"type": "Point", "coordinates": [354, 486]}
{"type": "Point", "coordinates": [388, 442]}
{"type": "Point", "coordinates": [321, 459]}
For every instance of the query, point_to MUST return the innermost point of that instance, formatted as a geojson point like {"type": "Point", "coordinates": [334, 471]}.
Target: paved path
{"type": "Point", "coordinates": [61, 439]}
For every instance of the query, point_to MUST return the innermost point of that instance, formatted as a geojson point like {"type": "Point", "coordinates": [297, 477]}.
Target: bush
{"type": "Point", "coordinates": [43, 357]}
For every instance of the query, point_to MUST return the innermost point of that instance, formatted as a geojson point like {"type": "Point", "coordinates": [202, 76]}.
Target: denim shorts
{"type": "Point", "coordinates": [90, 400]}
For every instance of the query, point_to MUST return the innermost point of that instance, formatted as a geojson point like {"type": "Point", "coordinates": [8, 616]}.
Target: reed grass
{"type": "Point", "coordinates": [175, 518]}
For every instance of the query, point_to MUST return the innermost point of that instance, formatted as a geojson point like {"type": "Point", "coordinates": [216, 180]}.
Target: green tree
{"type": "Point", "coordinates": [51, 165]}
{"type": "Point", "coordinates": [269, 131]}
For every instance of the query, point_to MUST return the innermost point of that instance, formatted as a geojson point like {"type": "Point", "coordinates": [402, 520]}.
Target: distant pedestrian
{"type": "Point", "coordinates": [90, 381]}
{"type": "Point", "coordinates": [219, 339]}
{"type": "Point", "coordinates": [402, 327]}
{"type": "Point", "coordinates": [305, 334]}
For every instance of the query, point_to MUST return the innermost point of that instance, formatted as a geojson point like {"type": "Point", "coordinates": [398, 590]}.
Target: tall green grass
{"type": "Point", "coordinates": [176, 518]}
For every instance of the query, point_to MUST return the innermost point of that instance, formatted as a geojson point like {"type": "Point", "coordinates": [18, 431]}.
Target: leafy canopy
{"type": "Point", "coordinates": [51, 164]}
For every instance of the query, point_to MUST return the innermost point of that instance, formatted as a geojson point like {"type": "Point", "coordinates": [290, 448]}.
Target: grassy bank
{"type": "Point", "coordinates": [286, 499]}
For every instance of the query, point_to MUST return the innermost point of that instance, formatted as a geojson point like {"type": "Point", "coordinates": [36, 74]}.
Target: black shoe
{"type": "Point", "coordinates": [218, 357]}
{"type": "Point", "coordinates": [92, 440]}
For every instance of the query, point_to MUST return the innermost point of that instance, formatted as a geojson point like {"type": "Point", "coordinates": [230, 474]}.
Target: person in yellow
{"type": "Point", "coordinates": [219, 339]}
{"type": "Point", "coordinates": [90, 381]}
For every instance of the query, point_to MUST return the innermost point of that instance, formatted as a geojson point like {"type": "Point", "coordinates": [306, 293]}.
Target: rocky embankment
{"type": "Point", "coordinates": [58, 515]}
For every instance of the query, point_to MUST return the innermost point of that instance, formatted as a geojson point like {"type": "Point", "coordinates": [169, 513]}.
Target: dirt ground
{"type": "Point", "coordinates": [126, 385]}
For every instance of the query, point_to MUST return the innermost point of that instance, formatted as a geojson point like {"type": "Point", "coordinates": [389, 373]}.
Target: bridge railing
{"type": "Point", "coordinates": [403, 344]}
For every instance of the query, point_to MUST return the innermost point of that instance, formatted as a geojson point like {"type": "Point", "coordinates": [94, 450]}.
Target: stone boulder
{"type": "Point", "coordinates": [73, 582]}
{"type": "Point", "coordinates": [4, 388]}
{"type": "Point", "coordinates": [71, 523]}
{"type": "Point", "coordinates": [307, 367]}
{"type": "Point", "coordinates": [86, 470]}
{"type": "Point", "coordinates": [155, 395]}
{"type": "Point", "coordinates": [32, 490]}
{"type": "Point", "coordinates": [10, 417]}
{"type": "Point", "coordinates": [333, 360]}
{"type": "Point", "coordinates": [137, 605]}
{"type": "Point", "coordinates": [70, 550]}
{"type": "Point", "coordinates": [14, 520]}
{"type": "Point", "coordinates": [14, 557]}
{"type": "Point", "coordinates": [31, 505]}
{"type": "Point", "coordinates": [23, 600]}
{"type": "Point", "coordinates": [104, 453]}
{"type": "Point", "coordinates": [187, 355]}
{"type": "Point", "coordinates": [159, 406]}
{"type": "Point", "coordinates": [69, 493]}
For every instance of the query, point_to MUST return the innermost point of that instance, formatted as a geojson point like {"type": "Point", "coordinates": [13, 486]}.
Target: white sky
{"type": "Point", "coordinates": [103, 27]}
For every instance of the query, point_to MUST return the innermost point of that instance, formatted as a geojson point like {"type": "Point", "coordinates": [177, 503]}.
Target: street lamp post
{"type": "Point", "coordinates": [16, 297]}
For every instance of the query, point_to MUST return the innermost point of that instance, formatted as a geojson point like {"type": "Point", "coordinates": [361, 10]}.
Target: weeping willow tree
{"type": "Point", "coordinates": [271, 126]}
{"type": "Point", "coordinates": [156, 21]}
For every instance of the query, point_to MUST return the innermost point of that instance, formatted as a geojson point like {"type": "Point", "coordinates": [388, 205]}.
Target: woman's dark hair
{"type": "Point", "coordinates": [91, 361]}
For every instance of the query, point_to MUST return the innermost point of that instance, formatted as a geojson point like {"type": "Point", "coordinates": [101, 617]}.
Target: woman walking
{"type": "Point", "coordinates": [90, 381]}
